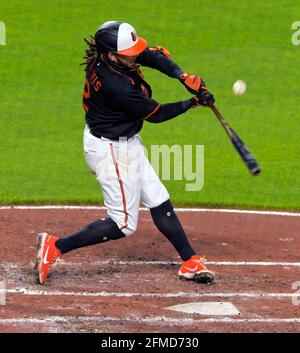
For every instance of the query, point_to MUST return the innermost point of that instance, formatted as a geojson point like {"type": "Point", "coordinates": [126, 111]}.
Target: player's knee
{"type": "Point", "coordinates": [130, 228]}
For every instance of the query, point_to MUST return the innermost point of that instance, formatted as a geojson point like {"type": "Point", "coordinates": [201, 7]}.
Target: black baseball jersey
{"type": "Point", "coordinates": [116, 105]}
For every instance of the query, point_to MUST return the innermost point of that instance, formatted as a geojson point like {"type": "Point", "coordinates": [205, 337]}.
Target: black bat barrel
{"type": "Point", "coordinates": [245, 154]}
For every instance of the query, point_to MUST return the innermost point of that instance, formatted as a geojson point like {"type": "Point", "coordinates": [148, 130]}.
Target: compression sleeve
{"type": "Point", "coordinates": [170, 111]}
{"type": "Point", "coordinates": [157, 59]}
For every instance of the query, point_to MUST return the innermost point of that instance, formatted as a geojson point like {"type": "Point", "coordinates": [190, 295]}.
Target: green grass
{"type": "Point", "coordinates": [41, 85]}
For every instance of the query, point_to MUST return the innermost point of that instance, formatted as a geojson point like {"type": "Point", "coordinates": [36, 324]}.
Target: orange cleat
{"type": "Point", "coordinates": [46, 257]}
{"type": "Point", "coordinates": [194, 269]}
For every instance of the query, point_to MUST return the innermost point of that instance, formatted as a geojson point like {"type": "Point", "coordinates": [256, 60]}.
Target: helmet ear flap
{"type": "Point", "coordinates": [106, 37]}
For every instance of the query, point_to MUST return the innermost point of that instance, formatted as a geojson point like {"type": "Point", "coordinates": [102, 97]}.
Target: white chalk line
{"type": "Point", "coordinates": [260, 295]}
{"type": "Point", "coordinates": [154, 319]}
{"type": "Point", "coordinates": [61, 263]}
{"type": "Point", "coordinates": [172, 263]}
{"type": "Point", "coordinates": [10, 266]}
{"type": "Point", "coordinates": [177, 209]}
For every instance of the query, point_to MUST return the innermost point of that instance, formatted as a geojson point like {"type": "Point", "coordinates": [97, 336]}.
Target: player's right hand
{"type": "Point", "coordinates": [197, 86]}
{"type": "Point", "coordinates": [192, 83]}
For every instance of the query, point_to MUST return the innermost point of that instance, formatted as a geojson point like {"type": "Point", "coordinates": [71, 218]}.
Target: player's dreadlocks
{"type": "Point", "coordinates": [91, 55]}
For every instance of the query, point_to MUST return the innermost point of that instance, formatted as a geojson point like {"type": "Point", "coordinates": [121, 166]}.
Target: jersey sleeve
{"type": "Point", "coordinates": [159, 58]}
{"type": "Point", "coordinates": [171, 110]}
{"type": "Point", "coordinates": [132, 101]}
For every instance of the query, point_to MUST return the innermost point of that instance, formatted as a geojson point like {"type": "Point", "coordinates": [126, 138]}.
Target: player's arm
{"type": "Point", "coordinates": [129, 99]}
{"type": "Point", "coordinates": [170, 110]}
{"type": "Point", "coordinates": [159, 58]}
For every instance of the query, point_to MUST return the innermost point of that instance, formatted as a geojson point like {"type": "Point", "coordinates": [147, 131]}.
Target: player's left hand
{"type": "Point", "coordinates": [204, 98]}
{"type": "Point", "coordinates": [192, 83]}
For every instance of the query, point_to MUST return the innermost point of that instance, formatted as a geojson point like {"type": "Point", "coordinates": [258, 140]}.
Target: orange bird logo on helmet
{"type": "Point", "coordinates": [133, 36]}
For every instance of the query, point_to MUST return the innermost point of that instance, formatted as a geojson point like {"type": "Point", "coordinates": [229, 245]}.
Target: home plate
{"type": "Point", "coordinates": [207, 308]}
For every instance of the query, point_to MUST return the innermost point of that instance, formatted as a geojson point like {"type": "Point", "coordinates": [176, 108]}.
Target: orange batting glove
{"type": "Point", "coordinates": [192, 83]}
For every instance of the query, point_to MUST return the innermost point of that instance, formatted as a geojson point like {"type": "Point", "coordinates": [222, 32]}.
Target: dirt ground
{"type": "Point", "coordinates": [127, 285]}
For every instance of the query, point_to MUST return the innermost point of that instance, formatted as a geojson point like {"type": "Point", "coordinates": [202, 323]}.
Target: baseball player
{"type": "Point", "coordinates": [117, 100]}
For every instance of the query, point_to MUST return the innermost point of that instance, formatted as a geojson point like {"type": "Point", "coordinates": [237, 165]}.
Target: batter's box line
{"type": "Point", "coordinates": [260, 295]}
{"type": "Point", "coordinates": [3, 292]}
{"type": "Point", "coordinates": [172, 263]}
{"type": "Point", "coordinates": [150, 320]}
{"type": "Point", "coordinates": [11, 266]}
{"type": "Point", "coordinates": [177, 209]}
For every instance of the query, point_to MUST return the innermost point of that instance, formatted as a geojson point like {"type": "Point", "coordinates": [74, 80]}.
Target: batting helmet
{"type": "Point", "coordinates": [119, 37]}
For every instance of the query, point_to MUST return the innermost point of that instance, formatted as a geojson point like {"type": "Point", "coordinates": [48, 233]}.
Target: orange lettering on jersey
{"type": "Point", "coordinates": [97, 86]}
{"type": "Point", "coordinates": [86, 95]}
{"type": "Point", "coordinates": [93, 75]}
{"type": "Point", "coordinates": [87, 90]}
{"type": "Point", "coordinates": [95, 81]}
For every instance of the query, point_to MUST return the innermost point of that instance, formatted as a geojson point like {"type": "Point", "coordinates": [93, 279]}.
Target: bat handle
{"type": "Point", "coordinates": [222, 120]}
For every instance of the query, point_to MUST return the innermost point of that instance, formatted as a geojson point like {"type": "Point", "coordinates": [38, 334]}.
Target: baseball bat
{"type": "Point", "coordinates": [238, 144]}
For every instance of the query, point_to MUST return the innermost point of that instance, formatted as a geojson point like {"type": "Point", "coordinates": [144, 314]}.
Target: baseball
{"type": "Point", "coordinates": [239, 87]}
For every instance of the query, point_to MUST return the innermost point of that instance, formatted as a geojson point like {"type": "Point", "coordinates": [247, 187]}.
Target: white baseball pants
{"type": "Point", "coordinates": [126, 178]}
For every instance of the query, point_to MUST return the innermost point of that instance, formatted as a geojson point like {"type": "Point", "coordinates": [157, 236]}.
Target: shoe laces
{"type": "Point", "coordinates": [202, 259]}
{"type": "Point", "coordinates": [55, 256]}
